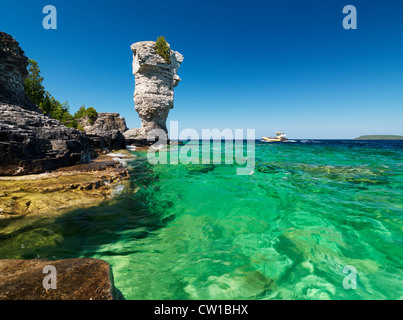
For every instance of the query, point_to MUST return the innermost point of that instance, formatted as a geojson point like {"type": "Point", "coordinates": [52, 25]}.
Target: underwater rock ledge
{"type": "Point", "coordinates": [65, 189]}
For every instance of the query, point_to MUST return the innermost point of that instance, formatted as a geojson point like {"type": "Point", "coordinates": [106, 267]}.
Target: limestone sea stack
{"type": "Point", "coordinates": [155, 80]}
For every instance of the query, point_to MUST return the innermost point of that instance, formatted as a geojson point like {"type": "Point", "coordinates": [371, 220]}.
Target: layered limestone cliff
{"type": "Point", "coordinates": [155, 80]}
{"type": "Point", "coordinates": [13, 70]}
{"type": "Point", "coordinates": [30, 142]}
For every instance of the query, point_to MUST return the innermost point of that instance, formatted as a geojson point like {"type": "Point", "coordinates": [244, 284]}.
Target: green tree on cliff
{"type": "Point", "coordinates": [91, 113]}
{"type": "Point", "coordinates": [81, 112]}
{"type": "Point", "coordinates": [49, 104]}
{"type": "Point", "coordinates": [162, 48]}
{"type": "Point", "coordinates": [33, 83]}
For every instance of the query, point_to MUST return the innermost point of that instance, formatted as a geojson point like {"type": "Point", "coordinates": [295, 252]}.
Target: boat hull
{"type": "Point", "coordinates": [273, 139]}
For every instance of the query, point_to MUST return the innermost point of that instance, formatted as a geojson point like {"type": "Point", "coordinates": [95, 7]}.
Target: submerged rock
{"type": "Point", "coordinates": [76, 279]}
{"type": "Point", "coordinates": [154, 89]}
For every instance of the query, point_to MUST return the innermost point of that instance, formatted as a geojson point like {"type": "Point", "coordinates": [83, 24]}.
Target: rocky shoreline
{"type": "Point", "coordinates": [47, 168]}
{"type": "Point", "coordinates": [61, 190]}
{"type": "Point", "coordinates": [52, 194]}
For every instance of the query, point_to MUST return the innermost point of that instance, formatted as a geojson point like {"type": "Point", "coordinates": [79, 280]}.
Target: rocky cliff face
{"type": "Point", "coordinates": [106, 121]}
{"type": "Point", "coordinates": [13, 70]}
{"type": "Point", "coordinates": [30, 142]}
{"type": "Point", "coordinates": [107, 131]}
{"type": "Point", "coordinates": [155, 80]}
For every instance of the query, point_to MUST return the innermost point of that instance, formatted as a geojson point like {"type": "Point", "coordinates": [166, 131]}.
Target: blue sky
{"type": "Point", "coordinates": [248, 64]}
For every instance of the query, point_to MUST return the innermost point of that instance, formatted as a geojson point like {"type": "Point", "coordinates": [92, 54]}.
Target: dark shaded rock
{"type": "Point", "coordinates": [31, 142]}
{"type": "Point", "coordinates": [13, 70]}
{"type": "Point", "coordinates": [76, 279]}
{"type": "Point", "coordinates": [112, 140]}
{"type": "Point", "coordinates": [141, 142]}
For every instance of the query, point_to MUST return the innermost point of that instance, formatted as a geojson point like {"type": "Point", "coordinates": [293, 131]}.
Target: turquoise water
{"type": "Point", "coordinates": [286, 231]}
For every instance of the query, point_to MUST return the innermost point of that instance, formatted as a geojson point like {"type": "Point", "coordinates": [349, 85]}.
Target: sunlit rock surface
{"type": "Point", "coordinates": [67, 188]}
{"type": "Point", "coordinates": [155, 80]}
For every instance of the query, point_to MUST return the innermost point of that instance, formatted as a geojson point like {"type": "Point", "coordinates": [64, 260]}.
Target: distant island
{"type": "Point", "coordinates": [380, 137]}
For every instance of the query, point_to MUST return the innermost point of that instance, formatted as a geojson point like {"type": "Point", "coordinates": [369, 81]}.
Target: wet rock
{"type": "Point", "coordinates": [76, 279]}
{"type": "Point", "coordinates": [66, 188]}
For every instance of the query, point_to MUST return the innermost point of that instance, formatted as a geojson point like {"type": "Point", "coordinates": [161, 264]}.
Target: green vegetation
{"type": "Point", "coordinates": [81, 112]}
{"type": "Point", "coordinates": [48, 104]}
{"type": "Point", "coordinates": [91, 113]}
{"type": "Point", "coordinates": [80, 127]}
{"type": "Point", "coordinates": [380, 137]}
{"type": "Point", "coordinates": [33, 83]}
{"type": "Point", "coordinates": [162, 48]}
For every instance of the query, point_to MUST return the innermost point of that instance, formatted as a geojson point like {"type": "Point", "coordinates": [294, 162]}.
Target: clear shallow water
{"type": "Point", "coordinates": [202, 232]}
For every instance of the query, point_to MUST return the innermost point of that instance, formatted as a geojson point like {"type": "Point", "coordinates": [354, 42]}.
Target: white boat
{"type": "Point", "coordinates": [280, 137]}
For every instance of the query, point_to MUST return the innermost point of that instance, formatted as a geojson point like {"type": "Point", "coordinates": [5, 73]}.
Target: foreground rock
{"type": "Point", "coordinates": [31, 142]}
{"type": "Point", "coordinates": [68, 188]}
{"type": "Point", "coordinates": [76, 279]}
{"type": "Point", "coordinates": [154, 89]}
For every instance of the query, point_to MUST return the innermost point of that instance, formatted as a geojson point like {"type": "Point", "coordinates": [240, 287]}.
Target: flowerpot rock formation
{"type": "Point", "coordinates": [155, 80]}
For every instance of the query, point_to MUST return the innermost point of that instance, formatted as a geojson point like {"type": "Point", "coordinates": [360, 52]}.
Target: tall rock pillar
{"type": "Point", "coordinates": [155, 80]}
